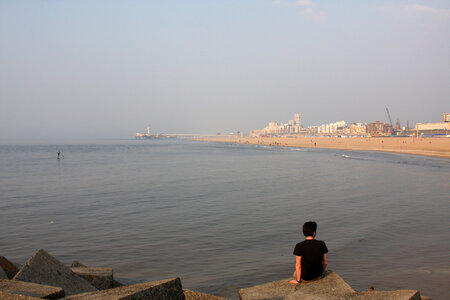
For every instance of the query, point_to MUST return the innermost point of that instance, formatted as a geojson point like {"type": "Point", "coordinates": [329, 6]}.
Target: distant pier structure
{"type": "Point", "coordinates": [149, 135]}
{"type": "Point", "coordinates": [140, 135]}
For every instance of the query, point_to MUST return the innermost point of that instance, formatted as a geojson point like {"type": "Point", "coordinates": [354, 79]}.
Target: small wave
{"type": "Point", "coordinates": [299, 149]}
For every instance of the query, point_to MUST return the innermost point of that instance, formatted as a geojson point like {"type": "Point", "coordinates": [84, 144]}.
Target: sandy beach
{"type": "Point", "coordinates": [435, 147]}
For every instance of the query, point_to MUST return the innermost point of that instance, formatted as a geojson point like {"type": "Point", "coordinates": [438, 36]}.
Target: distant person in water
{"type": "Point", "coordinates": [310, 256]}
{"type": "Point", "coordinates": [59, 154]}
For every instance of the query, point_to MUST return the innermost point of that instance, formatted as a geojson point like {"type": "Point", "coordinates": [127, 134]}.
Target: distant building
{"type": "Point", "coordinates": [272, 128]}
{"type": "Point", "coordinates": [140, 135]}
{"type": "Point", "coordinates": [332, 128]}
{"type": "Point", "coordinates": [379, 128]}
{"type": "Point", "coordinates": [358, 129]}
{"type": "Point", "coordinates": [435, 128]}
{"type": "Point", "coordinates": [292, 127]}
{"type": "Point", "coordinates": [312, 130]}
{"type": "Point", "coordinates": [297, 123]}
{"type": "Point", "coordinates": [256, 132]}
{"type": "Point", "coordinates": [397, 126]}
{"type": "Point", "coordinates": [446, 118]}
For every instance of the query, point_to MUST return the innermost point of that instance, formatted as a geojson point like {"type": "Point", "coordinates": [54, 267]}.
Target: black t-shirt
{"type": "Point", "coordinates": [312, 252]}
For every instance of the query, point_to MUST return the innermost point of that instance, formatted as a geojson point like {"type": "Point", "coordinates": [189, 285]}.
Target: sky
{"type": "Point", "coordinates": [108, 69]}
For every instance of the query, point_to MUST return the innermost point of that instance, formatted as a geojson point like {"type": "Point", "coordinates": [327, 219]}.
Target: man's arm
{"type": "Point", "coordinates": [298, 269]}
{"type": "Point", "coordinates": [325, 262]}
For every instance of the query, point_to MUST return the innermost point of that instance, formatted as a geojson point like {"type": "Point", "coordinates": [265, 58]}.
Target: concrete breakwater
{"type": "Point", "coordinates": [44, 277]}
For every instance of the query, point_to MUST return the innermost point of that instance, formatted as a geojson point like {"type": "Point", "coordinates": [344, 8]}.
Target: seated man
{"type": "Point", "coordinates": [311, 256]}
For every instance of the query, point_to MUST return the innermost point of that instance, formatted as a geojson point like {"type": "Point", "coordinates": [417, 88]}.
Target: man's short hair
{"type": "Point", "coordinates": [309, 228]}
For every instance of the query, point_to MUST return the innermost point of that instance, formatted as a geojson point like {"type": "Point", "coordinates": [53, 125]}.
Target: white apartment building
{"type": "Point", "coordinates": [292, 127]}
{"type": "Point", "coordinates": [332, 127]}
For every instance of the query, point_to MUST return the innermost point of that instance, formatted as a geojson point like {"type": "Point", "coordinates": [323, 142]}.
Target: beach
{"type": "Point", "coordinates": [434, 147]}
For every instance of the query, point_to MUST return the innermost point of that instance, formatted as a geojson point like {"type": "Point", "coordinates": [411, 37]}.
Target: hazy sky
{"type": "Point", "coordinates": [109, 68]}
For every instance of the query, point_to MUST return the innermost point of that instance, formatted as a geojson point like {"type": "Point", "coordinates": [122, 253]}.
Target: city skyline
{"type": "Point", "coordinates": [106, 69]}
{"type": "Point", "coordinates": [295, 127]}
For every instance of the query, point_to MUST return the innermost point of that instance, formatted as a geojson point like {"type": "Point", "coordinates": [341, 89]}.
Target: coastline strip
{"type": "Point", "coordinates": [432, 147]}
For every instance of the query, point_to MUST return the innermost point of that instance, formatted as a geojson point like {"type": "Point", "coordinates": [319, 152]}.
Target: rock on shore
{"type": "Point", "coordinates": [31, 289]}
{"type": "Point", "coordinates": [7, 268]}
{"type": "Point", "coordinates": [42, 268]}
{"type": "Point", "coordinates": [163, 289]}
{"type": "Point", "coordinates": [43, 276]}
{"type": "Point", "coordinates": [332, 286]}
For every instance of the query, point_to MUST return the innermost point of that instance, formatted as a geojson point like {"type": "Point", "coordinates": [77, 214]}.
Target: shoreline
{"type": "Point", "coordinates": [431, 147]}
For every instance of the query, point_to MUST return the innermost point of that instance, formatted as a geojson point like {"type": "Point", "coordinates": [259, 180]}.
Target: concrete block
{"type": "Point", "coordinates": [8, 296]}
{"type": "Point", "coordinates": [9, 268]}
{"type": "Point", "coordinates": [101, 278]}
{"type": "Point", "coordinates": [31, 289]}
{"type": "Point", "coordinates": [3, 274]}
{"type": "Point", "coordinates": [385, 295]}
{"type": "Point", "coordinates": [117, 283]}
{"type": "Point", "coordinates": [155, 290]}
{"type": "Point", "coordinates": [331, 285]}
{"type": "Point", "coordinates": [192, 295]}
{"type": "Point", "coordinates": [42, 268]}
{"type": "Point", "coordinates": [77, 264]}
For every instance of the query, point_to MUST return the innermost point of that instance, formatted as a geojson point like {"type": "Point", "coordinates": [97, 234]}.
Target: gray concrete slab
{"type": "Point", "coordinates": [386, 295]}
{"type": "Point", "coordinates": [7, 296]}
{"type": "Point", "coordinates": [42, 268]}
{"type": "Point", "coordinates": [193, 295]}
{"type": "Point", "coordinates": [8, 267]}
{"type": "Point", "coordinates": [332, 284]}
{"type": "Point", "coordinates": [101, 278]}
{"type": "Point", "coordinates": [117, 283]}
{"type": "Point", "coordinates": [155, 290]}
{"type": "Point", "coordinates": [331, 287]}
{"type": "Point", "coordinates": [31, 289]}
{"type": "Point", "coordinates": [77, 264]}
{"type": "Point", "coordinates": [3, 274]}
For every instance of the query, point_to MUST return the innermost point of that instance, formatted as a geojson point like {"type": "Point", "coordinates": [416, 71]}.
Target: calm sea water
{"type": "Point", "coordinates": [226, 216]}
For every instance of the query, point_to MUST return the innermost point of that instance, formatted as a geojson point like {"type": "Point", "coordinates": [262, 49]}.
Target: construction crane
{"type": "Point", "coordinates": [394, 130]}
{"type": "Point", "coordinates": [389, 115]}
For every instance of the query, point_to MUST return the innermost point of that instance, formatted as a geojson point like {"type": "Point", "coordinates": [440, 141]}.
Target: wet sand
{"type": "Point", "coordinates": [435, 147]}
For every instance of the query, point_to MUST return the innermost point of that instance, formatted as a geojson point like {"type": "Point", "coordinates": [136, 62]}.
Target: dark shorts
{"type": "Point", "coordinates": [295, 277]}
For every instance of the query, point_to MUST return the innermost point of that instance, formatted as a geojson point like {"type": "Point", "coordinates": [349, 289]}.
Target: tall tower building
{"type": "Point", "coordinates": [397, 125]}
{"type": "Point", "coordinates": [297, 120]}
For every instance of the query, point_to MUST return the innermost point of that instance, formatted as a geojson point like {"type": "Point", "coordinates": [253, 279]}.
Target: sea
{"type": "Point", "coordinates": [227, 216]}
